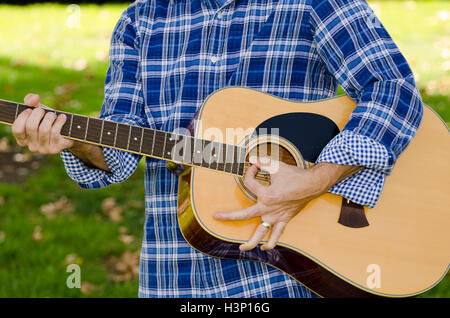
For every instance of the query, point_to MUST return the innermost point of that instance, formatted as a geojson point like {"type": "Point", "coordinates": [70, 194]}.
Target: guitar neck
{"type": "Point", "coordinates": [182, 149]}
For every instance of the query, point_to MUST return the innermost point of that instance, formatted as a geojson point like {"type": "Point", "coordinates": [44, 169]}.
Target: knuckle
{"type": "Point", "coordinates": [50, 116]}
{"type": "Point", "coordinates": [44, 129]}
{"type": "Point", "coordinates": [269, 197]}
{"type": "Point", "coordinates": [16, 130]}
{"type": "Point", "coordinates": [32, 148]}
{"type": "Point", "coordinates": [30, 126]}
{"type": "Point", "coordinates": [38, 112]}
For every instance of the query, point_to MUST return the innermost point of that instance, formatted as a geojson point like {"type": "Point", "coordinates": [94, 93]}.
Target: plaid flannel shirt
{"type": "Point", "coordinates": [166, 57]}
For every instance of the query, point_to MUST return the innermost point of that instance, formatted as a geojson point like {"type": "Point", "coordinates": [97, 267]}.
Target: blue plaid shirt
{"type": "Point", "coordinates": [166, 57]}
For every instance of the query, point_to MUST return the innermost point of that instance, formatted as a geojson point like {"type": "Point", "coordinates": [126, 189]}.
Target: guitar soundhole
{"type": "Point", "coordinates": [267, 150]}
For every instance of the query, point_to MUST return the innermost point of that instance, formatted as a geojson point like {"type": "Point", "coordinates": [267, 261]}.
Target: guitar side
{"type": "Point", "coordinates": [406, 238]}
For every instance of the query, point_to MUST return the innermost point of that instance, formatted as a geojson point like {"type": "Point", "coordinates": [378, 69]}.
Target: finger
{"type": "Point", "coordinates": [32, 126]}
{"type": "Point", "coordinates": [56, 139]}
{"type": "Point", "coordinates": [18, 127]}
{"type": "Point", "coordinates": [250, 181]}
{"type": "Point", "coordinates": [243, 214]}
{"type": "Point", "coordinates": [34, 100]}
{"type": "Point", "coordinates": [277, 230]}
{"type": "Point", "coordinates": [44, 129]}
{"type": "Point", "coordinates": [260, 233]}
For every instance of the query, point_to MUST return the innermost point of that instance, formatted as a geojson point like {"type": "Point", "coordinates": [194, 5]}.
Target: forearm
{"type": "Point", "coordinates": [91, 155]}
{"type": "Point", "coordinates": [328, 174]}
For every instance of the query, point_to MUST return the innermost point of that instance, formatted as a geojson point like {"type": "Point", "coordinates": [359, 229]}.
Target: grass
{"type": "Point", "coordinates": [67, 66]}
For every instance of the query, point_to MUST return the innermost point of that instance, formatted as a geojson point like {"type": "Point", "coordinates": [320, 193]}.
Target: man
{"type": "Point", "coordinates": [166, 57]}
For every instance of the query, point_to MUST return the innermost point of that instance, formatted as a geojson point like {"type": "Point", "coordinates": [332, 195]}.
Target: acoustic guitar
{"type": "Point", "coordinates": [334, 247]}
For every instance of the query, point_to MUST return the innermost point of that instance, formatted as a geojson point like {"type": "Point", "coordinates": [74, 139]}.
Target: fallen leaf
{"type": "Point", "coordinates": [127, 239]}
{"type": "Point", "coordinates": [2, 237]}
{"type": "Point", "coordinates": [80, 65]}
{"type": "Point", "coordinates": [50, 210]}
{"type": "Point", "coordinates": [123, 230]}
{"type": "Point", "coordinates": [65, 89]}
{"type": "Point", "coordinates": [441, 87]}
{"type": "Point", "coordinates": [125, 267]}
{"type": "Point", "coordinates": [87, 288]}
{"type": "Point", "coordinates": [4, 144]}
{"type": "Point", "coordinates": [73, 259]}
{"type": "Point", "coordinates": [37, 234]}
{"type": "Point", "coordinates": [22, 157]}
{"type": "Point", "coordinates": [112, 210]}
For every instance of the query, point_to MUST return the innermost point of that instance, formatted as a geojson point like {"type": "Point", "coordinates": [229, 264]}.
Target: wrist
{"type": "Point", "coordinates": [328, 174]}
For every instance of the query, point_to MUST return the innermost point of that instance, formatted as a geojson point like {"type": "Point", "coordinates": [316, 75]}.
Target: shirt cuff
{"type": "Point", "coordinates": [349, 148]}
{"type": "Point", "coordinates": [121, 164]}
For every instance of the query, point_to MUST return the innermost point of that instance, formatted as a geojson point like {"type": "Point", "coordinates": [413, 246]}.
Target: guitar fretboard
{"type": "Point", "coordinates": [159, 144]}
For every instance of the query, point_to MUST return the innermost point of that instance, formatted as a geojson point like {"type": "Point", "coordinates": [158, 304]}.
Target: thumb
{"type": "Point", "coordinates": [34, 100]}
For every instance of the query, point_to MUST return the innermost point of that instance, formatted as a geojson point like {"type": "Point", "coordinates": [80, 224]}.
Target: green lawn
{"type": "Point", "coordinates": [67, 66]}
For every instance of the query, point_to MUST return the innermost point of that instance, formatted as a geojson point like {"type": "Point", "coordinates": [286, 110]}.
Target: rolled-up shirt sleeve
{"type": "Point", "coordinates": [357, 50]}
{"type": "Point", "coordinates": [123, 103]}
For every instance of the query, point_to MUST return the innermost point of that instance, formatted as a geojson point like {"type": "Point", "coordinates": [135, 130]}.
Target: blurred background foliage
{"type": "Point", "coordinates": [46, 221]}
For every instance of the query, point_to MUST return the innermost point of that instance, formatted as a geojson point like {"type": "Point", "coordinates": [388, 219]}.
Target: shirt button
{"type": "Point", "coordinates": [219, 15]}
{"type": "Point", "coordinates": [214, 59]}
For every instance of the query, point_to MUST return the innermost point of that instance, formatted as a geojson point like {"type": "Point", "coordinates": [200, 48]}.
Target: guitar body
{"type": "Point", "coordinates": [401, 249]}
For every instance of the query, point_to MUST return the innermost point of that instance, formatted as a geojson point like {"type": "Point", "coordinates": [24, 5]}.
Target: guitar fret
{"type": "Point", "coordinates": [153, 143]}
{"type": "Point", "coordinates": [234, 165]}
{"type": "Point", "coordinates": [222, 158]}
{"type": "Point", "coordinates": [115, 134]}
{"type": "Point", "coordinates": [164, 147]}
{"type": "Point", "coordinates": [186, 151]}
{"type": "Point", "coordinates": [129, 137]}
{"type": "Point", "coordinates": [17, 111]}
{"type": "Point", "coordinates": [142, 139]}
{"type": "Point", "coordinates": [101, 131]}
{"type": "Point", "coordinates": [241, 162]}
{"type": "Point", "coordinates": [87, 125]}
{"type": "Point", "coordinates": [70, 129]}
{"type": "Point", "coordinates": [218, 158]}
{"type": "Point", "coordinates": [198, 153]}
{"type": "Point", "coordinates": [206, 161]}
